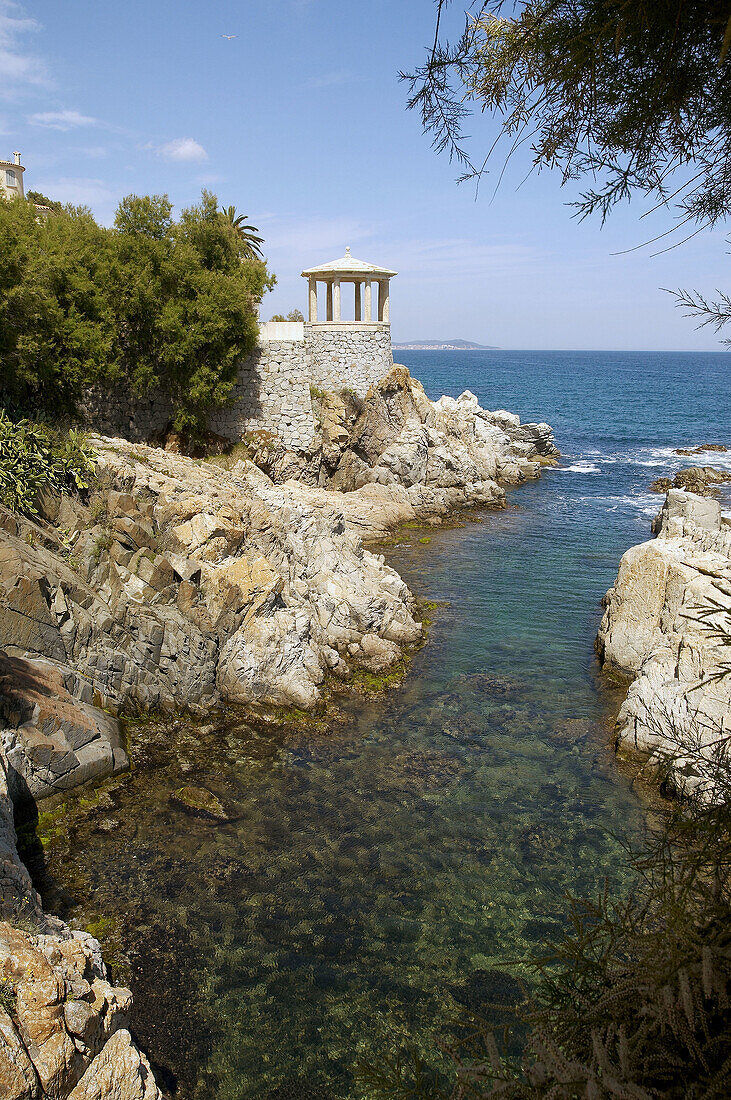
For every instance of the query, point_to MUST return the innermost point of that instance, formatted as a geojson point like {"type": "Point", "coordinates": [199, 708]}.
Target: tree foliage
{"type": "Point", "coordinates": [248, 234]}
{"type": "Point", "coordinates": [151, 303]}
{"type": "Point", "coordinates": [293, 315]}
{"type": "Point", "coordinates": [634, 95]}
{"type": "Point", "coordinates": [56, 327]}
{"type": "Point", "coordinates": [43, 200]}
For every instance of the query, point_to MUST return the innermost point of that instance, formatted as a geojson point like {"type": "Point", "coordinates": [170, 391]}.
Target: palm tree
{"type": "Point", "coordinates": [248, 234]}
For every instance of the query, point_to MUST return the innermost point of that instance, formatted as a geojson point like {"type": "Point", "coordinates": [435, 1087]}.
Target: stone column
{"type": "Point", "coordinates": [313, 299]}
{"type": "Point", "coordinates": [384, 309]}
{"type": "Point", "coordinates": [368, 300]}
{"type": "Point", "coordinates": [336, 299]}
{"type": "Point", "coordinates": [358, 310]}
{"type": "Point", "coordinates": [329, 311]}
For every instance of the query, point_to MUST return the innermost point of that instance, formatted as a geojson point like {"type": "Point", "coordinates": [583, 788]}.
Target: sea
{"type": "Point", "coordinates": [381, 878]}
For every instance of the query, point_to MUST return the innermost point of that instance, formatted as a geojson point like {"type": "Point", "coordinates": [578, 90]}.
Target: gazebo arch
{"type": "Point", "coordinates": [348, 269]}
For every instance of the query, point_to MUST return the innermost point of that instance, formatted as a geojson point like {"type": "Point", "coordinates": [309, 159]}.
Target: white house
{"type": "Point", "coordinates": [11, 178]}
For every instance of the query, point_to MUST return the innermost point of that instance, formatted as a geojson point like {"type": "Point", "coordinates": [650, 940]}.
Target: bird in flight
{"type": "Point", "coordinates": [229, 36]}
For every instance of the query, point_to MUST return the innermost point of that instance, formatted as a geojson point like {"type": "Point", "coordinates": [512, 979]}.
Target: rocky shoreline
{"type": "Point", "coordinates": [197, 584]}
{"type": "Point", "coordinates": [666, 625]}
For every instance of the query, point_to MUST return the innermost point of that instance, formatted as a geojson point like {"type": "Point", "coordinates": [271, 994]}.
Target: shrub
{"type": "Point", "coordinates": [153, 303]}
{"type": "Point", "coordinates": [35, 457]}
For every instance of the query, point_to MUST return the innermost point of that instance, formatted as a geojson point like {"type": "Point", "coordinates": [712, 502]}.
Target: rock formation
{"type": "Point", "coordinates": [184, 584]}
{"type": "Point", "coordinates": [180, 583]}
{"type": "Point", "coordinates": [668, 624]}
{"type": "Point", "coordinates": [703, 480]}
{"type": "Point", "coordinates": [62, 1025]}
{"type": "Point", "coordinates": [51, 740]}
{"type": "Point", "coordinates": [397, 455]}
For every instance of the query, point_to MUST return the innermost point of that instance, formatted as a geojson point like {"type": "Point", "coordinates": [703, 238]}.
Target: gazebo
{"type": "Point", "coordinates": [350, 270]}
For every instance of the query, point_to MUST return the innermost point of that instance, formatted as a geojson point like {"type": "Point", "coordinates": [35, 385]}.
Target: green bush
{"type": "Point", "coordinates": [152, 303]}
{"type": "Point", "coordinates": [35, 457]}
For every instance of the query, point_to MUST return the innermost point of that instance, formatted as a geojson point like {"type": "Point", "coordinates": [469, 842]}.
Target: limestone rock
{"type": "Point", "coordinates": [334, 425]}
{"type": "Point", "coordinates": [60, 1017]}
{"type": "Point", "coordinates": [666, 624]}
{"type": "Point", "coordinates": [18, 898]}
{"type": "Point", "coordinates": [375, 654]}
{"type": "Point", "coordinates": [270, 660]}
{"type": "Point", "coordinates": [52, 740]}
{"type": "Point", "coordinates": [64, 1010]}
{"type": "Point", "coordinates": [388, 406]}
{"type": "Point", "coordinates": [119, 1072]}
{"type": "Point", "coordinates": [446, 454]}
{"type": "Point", "coordinates": [700, 479]}
{"type": "Point", "coordinates": [700, 449]}
{"type": "Point", "coordinates": [686, 513]}
{"type": "Point", "coordinates": [18, 1077]}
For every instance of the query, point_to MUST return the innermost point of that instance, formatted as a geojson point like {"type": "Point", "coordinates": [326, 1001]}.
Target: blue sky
{"type": "Point", "coordinates": [300, 122]}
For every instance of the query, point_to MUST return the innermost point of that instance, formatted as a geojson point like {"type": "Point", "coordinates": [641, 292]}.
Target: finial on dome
{"type": "Point", "coordinates": [347, 250]}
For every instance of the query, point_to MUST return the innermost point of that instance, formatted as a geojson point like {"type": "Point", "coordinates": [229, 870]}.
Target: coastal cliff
{"type": "Point", "coordinates": [666, 624]}
{"type": "Point", "coordinates": [179, 583]}
{"type": "Point", "coordinates": [183, 584]}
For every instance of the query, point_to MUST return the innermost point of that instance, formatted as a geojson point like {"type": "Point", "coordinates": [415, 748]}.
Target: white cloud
{"type": "Point", "coordinates": [18, 67]}
{"type": "Point", "coordinates": [61, 120]}
{"type": "Point", "coordinates": [183, 149]}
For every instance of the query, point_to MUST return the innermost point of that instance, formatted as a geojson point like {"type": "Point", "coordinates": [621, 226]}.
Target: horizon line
{"type": "Point", "coordinates": [634, 351]}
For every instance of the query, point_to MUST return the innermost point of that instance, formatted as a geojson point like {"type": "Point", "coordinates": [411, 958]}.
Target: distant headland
{"type": "Point", "coordinates": [443, 345]}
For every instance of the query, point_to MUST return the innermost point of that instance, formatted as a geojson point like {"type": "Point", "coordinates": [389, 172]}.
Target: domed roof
{"type": "Point", "coordinates": [348, 265]}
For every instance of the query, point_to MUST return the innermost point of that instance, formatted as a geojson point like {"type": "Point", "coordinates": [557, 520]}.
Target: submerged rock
{"type": "Point", "coordinates": [198, 800]}
{"type": "Point", "coordinates": [700, 479]}
{"type": "Point", "coordinates": [700, 449]}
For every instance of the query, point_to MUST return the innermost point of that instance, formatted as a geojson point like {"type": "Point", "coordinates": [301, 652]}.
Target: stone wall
{"type": "Point", "coordinates": [272, 391]}
{"type": "Point", "coordinates": [347, 354]}
{"type": "Point", "coordinates": [116, 411]}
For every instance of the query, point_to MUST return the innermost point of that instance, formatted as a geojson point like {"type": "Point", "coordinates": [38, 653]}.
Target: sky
{"type": "Point", "coordinates": [300, 121]}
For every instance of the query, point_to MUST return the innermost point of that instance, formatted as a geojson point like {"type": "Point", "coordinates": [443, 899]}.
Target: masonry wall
{"type": "Point", "coordinates": [272, 391]}
{"type": "Point", "coordinates": [118, 412]}
{"type": "Point", "coordinates": [352, 355]}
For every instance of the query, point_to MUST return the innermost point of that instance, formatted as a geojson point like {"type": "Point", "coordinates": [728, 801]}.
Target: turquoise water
{"type": "Point", "coordinates": [379, 878]}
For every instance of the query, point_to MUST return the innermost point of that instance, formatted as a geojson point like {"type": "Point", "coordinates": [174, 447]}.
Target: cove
{"type": "Point", "coordinates": [376, 878]}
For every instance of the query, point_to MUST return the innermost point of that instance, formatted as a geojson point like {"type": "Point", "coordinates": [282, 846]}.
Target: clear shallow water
{"type": "Point", "coordinates": [377, 878]}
